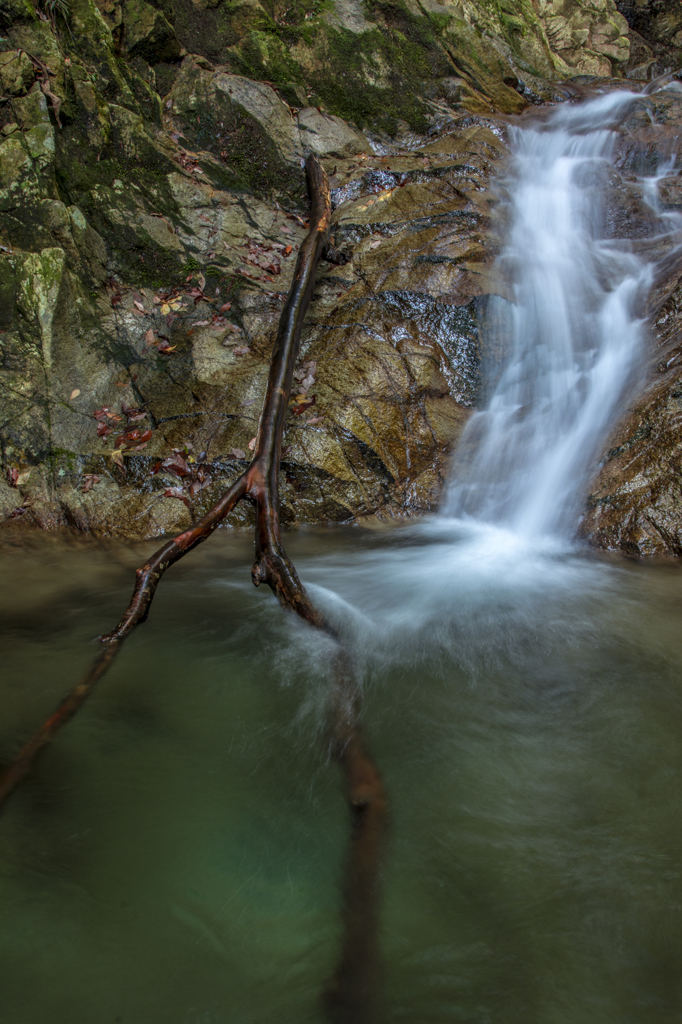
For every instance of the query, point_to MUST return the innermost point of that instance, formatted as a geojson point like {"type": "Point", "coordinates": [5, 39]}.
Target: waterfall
{"type": "Point", "coordinates": [571, 333]}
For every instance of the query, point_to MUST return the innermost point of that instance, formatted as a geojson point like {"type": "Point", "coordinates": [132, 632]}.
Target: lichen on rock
{"type": "Point", "coordinates": [151, 204]}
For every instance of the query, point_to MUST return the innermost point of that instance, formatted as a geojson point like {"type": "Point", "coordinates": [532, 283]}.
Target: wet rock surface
{"type": "Point", "coordinates": [152, 202]}
{"type": "Point", "coordinates": [635, 504]}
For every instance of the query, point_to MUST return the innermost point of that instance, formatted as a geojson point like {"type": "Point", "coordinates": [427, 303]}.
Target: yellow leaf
{"type": "Point", "coordinates": [23, 477]}
{"type": "Point", "coordinates": [165, 308]}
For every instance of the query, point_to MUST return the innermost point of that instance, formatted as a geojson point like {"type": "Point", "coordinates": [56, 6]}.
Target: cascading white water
{"type": "Point", "coordinates": [573, 331]}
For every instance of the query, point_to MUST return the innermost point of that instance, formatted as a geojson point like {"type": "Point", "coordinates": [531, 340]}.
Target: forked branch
{"type": "Point", "coordinates": [349, 998]}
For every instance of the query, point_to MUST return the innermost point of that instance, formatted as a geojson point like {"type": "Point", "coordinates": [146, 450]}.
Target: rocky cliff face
{"type": "Point", "coordinates": [151, 203]}
{"type": "Point", "coordinates": [636, 500]}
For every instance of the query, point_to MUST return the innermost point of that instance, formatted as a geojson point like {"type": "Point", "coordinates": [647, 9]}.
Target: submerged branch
{"type": "Point", "coordinates": [349, 998]}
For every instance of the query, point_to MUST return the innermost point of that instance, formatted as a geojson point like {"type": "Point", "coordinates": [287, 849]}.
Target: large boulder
{"type": "Point", "coordinates": [148, 33]}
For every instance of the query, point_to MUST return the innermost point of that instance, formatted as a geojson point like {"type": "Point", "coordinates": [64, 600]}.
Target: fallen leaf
{"type": "Point", "coordinates": [74, 394]}
{"type": "Point", "coordinates": [133, 437]}
{"type": "Point", "coordinates": [238, 453]}
{"type": "Point", "coordinates": [248, 401]}
{"type": "Point", "coordinates": [165, 309]}
{"type": "Point", "coordinates": [150, 338]}
{"type": "Point", "coordinates": [301, 404]}
{"type": "Point", "coordinates": [201, 323]}
{"type": "Point", "coordinates": [225, 306]}
{"type": "Point", "coordinates": [20, 509]}
{"type": "Point", "coordinates": [176, 465]}
{"type": "Point", "coordinates": [164, 348]}
{"type": "Point", "coordinates": [117, 457]}
{"type": "Point", "coordinates": [139, 305]}
{"type": "Point", "coordinates": [175, 492]}
{"type": "Point", "coordinates": [243, 350]}
{"type": "Point", "coordinates": [375, 243]}
{"type": "Point", "coordinates": [252, 444]}
{"type": "Point", "coordinates": [314, 420]}
{"type": "Point", "coordinates": [23, 476]}
{"type": "Point", "coordinates": [12, 477]}
{"type": "Point", "coordinates": [121, 383]}
{"type": "Point", "coordinates": [89, 480]}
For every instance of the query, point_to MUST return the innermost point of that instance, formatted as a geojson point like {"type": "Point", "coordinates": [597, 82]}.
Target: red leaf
{"type": "Point", "coordinates": [301, 407]}
{"type": "Point", "coordinates": [89, 480]}
{"type": "Point", "coordinates": [175, 492]}
{"type": "Point", "coordinates": [176, 465]}
{"type": "Point", "coordinates": [133, 437]}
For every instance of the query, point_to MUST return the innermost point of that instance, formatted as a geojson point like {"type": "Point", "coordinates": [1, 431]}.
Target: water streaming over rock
{"type": "Point", "coordinates": [176, 858]}
{"type": "Point", "coordinates": [572, 333]}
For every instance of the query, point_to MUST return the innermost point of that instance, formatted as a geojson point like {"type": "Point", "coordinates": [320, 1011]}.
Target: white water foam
{"type": "Point", "coordinates": [574, 331]}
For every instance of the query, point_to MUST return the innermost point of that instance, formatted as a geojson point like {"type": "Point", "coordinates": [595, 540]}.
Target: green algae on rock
{"type": "Point", "coordinates": [149, 240]}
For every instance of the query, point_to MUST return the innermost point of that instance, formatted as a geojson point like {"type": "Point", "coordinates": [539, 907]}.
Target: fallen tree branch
{"type": "Point", "coordinates": [349, 998]}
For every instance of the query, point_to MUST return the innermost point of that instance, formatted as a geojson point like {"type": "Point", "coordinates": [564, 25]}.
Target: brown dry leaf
{"type": "Point", "coordinates": [176, 465]}
{"type": "Point", "coordinates": [149, 337]}
{"type": "Point", "coordinates": [117, 457]}
{"type": "Point", "coordinates": [238, 453]}
{"type": "Point", "coordinates": [252, 444]}
{"type": "Point", "coordinates": [301, 404]}
{"type": "Point", "coordinates": [139, 305]}
{"type": "Point", "coordinates": [74, 394]}
{"type": "Point", "coordinates": [133, 437]}
{"type": "Point", "coordinates": [201, 323]}
{"type": "Point", "coordinates": [176, 492]}
{"type": "Point", "coordinates": [89, 480]}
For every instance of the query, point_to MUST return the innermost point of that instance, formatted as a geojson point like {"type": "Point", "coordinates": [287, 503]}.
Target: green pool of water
{"type": "Point", "coordinates": [176, 856]}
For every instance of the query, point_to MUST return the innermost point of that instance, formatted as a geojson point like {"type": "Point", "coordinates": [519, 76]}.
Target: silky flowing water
{"type": "Point", "coordinates": [176, 857]}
